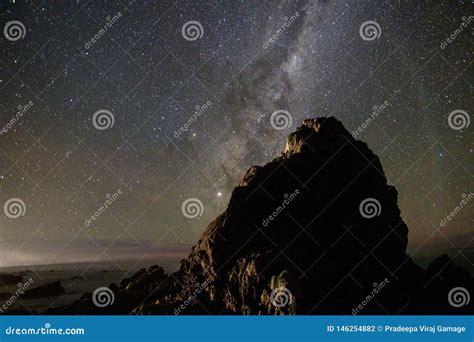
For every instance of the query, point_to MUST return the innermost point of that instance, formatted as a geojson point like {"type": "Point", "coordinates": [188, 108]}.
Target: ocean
{"type": "Point", "coordinates": [76, 278]}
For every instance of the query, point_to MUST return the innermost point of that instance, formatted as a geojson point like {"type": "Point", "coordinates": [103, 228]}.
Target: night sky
{"type": "Point", "coordinates": [222, 76]}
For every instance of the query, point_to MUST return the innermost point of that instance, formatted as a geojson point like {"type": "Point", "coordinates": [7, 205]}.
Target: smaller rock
{"type": "Point", "coordinates": [10, 279]}
{"type": "Point", "coordinates": [5, 295]}
{"type": "Point", "coordinates": [47, 290]}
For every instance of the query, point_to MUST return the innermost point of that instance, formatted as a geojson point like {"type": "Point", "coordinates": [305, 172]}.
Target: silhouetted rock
{"type": "Point", "coordinates": [144, 285]}
{"type": "Point", "coordinates": [444, 269]}
{"type": "Point", "coordinates": [10, 279]}
{"type": "Point", "coordinates": [5, 295]}
{"type": "Point", "coordinates": [315, 231]}
{"type": "Point", "coordinates": [47, 290]}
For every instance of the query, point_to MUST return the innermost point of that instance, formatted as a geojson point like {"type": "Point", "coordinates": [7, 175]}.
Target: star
{"type": "Point", "coordinates": [190, 116]}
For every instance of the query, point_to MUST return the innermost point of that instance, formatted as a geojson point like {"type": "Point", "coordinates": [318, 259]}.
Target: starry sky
{"type": "Point", "coordinates": [188, 88]}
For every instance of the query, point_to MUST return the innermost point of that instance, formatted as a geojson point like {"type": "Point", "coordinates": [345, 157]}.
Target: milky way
{"type": "Point", "coordinates": [187, 111]}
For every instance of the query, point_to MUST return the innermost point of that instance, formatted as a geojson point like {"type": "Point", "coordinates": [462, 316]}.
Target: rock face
{"type": "Point", "coordinates": [315, 231]}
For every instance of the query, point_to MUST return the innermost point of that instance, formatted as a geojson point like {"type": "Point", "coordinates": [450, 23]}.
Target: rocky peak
{"type": "Point", "coordinates": [314, 132]}
{"type": "Point", "coordinates": [314, 231]}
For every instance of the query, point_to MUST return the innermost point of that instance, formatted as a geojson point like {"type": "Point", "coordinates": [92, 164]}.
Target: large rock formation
{"type": "Point", "coordinates": [315, 231]}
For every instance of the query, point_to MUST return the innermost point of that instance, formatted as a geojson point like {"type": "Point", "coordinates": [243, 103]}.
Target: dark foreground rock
{"type": "Point", "coordinates": [47, 290]}
{"type": "Point", "coordinates": [144, 286]}
{"type": "Point", "coordinates": [5, 295]}
{"type": "Point", "coordinates": [10, 279]}
{"type": "Point", "coordinates": [315, 231]}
